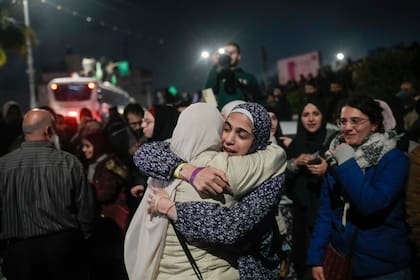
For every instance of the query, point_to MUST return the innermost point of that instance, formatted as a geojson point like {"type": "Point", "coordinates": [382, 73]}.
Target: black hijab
{"type": "Point", "coordinates": [277, 113]}
{"type": "Point", "coordinates": [305, 141]}
{"type": "Point", "coordinates": [100, 144]}
{"type": "Point", "coordinates": [166, 118]}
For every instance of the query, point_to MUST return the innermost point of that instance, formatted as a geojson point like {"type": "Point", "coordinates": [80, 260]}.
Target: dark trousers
{"type": "Point", "coordinates": [301, 235]}
{"type": "Point", "coordinates": [55, 256]}
{"type": "Point", "coordinates": [107, 258]}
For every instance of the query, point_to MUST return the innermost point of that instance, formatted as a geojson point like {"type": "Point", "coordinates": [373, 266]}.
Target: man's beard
{"type": "Point", "coordinates": [234, 64]}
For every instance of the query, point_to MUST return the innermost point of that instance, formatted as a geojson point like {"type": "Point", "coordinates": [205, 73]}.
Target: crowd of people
{"type": "Point", "coordinates": [215, 192]}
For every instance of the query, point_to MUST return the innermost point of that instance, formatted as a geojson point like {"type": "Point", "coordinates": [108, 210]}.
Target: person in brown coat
{"type": "Point", "coordinates": [413, 206]}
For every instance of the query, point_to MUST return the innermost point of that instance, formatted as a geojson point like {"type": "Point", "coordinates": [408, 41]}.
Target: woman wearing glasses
{"type": "Point", "coordinates": [361, 212]}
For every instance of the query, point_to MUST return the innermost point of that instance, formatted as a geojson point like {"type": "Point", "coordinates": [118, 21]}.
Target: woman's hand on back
{"type": "Point", "coordinates": [209, 180]}
{"type": "Point", "coordinates": [159, 203]}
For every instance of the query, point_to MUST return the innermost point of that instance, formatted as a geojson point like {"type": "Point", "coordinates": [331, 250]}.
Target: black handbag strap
{"type": "Point", "coordinates": [187, 253]}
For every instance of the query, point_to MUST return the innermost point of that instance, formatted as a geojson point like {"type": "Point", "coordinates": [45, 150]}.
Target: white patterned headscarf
{"type": "Point", "coordinates": [261, 123]}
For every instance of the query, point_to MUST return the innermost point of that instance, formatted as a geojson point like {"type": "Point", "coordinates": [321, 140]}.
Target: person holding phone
{"type": "Point", "coordinates": [361, 213]}
{"type": "Point", "coordinates": [306, 167]}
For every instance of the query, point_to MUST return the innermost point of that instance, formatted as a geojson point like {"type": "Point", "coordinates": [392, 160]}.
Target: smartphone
{"type": "Point", "coordinates": [314, 161]}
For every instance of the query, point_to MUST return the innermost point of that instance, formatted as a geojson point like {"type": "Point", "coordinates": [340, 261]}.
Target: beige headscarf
{"type": "Point", "coordinates": [198, 129]}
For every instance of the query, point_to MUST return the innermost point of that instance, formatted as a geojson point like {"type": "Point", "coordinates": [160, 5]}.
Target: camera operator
{"type": "Point", "coordinates": [229, 82]}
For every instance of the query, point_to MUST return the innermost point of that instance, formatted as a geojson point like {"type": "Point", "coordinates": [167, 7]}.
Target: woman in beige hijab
{"type": "Point", "coordinates": [168, 261]}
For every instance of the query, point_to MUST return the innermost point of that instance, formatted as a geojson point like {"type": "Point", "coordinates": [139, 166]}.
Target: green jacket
{"type": "Point", "coordinates": [243, 86]}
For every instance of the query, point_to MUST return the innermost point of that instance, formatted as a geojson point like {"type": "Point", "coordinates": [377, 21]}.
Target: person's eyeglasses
{"type": "Point", "coordinates": [354, 122]}
{"type": "Point", "coordinates": [135, 123]}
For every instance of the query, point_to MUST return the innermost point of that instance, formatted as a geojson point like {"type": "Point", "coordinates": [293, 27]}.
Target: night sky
{"type": "Point", "coordinates": [168, 36]}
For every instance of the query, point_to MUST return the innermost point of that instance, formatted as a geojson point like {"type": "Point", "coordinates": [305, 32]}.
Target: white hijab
{"type": "Point", "coordinates": [198, 129]}
{"type": "Point", "coordinates": [227, 109]}
{"type": "Point", "coordinates": [389, 120]}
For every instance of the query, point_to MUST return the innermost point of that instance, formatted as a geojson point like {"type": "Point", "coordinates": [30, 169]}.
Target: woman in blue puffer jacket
{"type": "Point", "coordinates": [361, 210]}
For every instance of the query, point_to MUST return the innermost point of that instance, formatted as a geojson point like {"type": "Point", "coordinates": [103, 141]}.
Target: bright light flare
{"type": "Point", "coordinates": [54, 86]}
{"type": "Point", "coordinates": [91, 85]}
{"type": "Point", "coordinates": [221, 51]}
{"type": "Point", "coordinates": [205, 54]}
{"type": "Point", "coordinates": [72, 114]}
{"type": "Point", "coordinates": [340, 56]}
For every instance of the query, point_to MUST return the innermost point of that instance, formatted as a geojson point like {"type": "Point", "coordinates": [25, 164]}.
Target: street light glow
{"type": "Point", "coordinates": [340, 56]}
{"type": "Point", "coordinates": [205, 54]}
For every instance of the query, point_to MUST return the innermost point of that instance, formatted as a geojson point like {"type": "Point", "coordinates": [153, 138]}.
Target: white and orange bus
{"type": "Point", "coordinates": [68, 95]}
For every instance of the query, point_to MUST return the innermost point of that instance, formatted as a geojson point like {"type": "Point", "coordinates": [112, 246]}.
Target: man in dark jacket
{"type": "Point", "coordinates": [47, 207]}
{"type": "Point", "coordinates": [230, 82]}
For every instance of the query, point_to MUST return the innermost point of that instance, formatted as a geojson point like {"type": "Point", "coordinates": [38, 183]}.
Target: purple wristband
{"type": "Point", "coordinates": [194, 173]}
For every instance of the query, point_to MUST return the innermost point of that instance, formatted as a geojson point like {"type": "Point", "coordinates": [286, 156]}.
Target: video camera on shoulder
{"type": "Point", "coordinates": [225, 73]}
{"type": "Point", "coordinates": [224, 60]}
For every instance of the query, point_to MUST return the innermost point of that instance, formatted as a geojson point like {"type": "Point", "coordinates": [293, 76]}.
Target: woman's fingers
{"type": "Point", "coordinates": [211, 180]}
{"type": "Point", "coordinates": [137, 191]}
